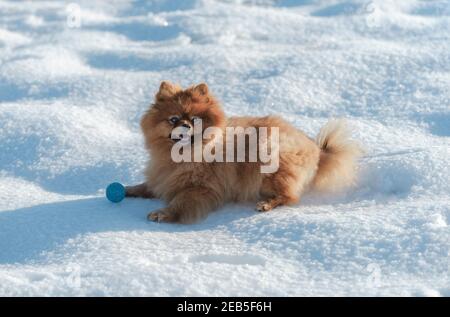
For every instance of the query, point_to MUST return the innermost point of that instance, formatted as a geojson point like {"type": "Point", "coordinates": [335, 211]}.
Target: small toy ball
{"type": "Point", "coordinates": [115, 192]}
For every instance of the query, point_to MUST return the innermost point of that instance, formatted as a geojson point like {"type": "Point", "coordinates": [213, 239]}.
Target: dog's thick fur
{"type": "Point", "coordinates": [192, 190]}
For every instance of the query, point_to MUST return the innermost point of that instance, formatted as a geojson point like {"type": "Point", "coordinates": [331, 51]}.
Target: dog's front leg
{"type": "Point", "coordinates": [188, 206]}
{"type": "Point", "coordinates": [141, 191]}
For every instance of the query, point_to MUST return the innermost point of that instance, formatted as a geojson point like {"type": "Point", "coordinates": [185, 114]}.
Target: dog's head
{"type": "Point", "coordinates": [176, 111]}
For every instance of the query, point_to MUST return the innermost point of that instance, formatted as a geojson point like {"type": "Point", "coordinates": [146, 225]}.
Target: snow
{"type": "Point", "coordinates": [72, 90]}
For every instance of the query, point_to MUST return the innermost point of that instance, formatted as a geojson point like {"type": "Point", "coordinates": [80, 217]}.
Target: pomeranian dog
{"type": "Point", "coordinates": [193, 189]}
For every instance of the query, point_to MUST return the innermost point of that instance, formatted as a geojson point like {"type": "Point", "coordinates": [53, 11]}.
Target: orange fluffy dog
{"type": "Point", "coordinates": [194, 189]}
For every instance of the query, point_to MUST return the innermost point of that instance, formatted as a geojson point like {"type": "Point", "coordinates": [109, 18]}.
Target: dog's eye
{"type": "Point", "coordinates": [195, 119]}
{"type": "Point", "coordinates": [174, 119]}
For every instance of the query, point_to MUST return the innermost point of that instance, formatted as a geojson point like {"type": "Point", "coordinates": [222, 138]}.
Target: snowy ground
{"type": "Point", "coordinates": [72, 90]}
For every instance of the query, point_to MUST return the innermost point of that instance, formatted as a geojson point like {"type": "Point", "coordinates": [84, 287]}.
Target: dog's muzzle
{"type": "Point", "coordinates": [182, 133]}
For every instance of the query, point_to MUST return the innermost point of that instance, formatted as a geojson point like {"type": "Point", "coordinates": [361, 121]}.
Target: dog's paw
{"type": "Point", "coordinates": [263, 206]}
{"type": "Point", "coordinates": [161, 215]}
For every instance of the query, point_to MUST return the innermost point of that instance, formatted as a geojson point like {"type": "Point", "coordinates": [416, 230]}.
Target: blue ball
{"type": "Point", "coordinates": [115, 192]}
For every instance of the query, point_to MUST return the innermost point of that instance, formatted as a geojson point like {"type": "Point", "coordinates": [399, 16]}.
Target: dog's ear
{"type": "Point", "coordinates": [167, 90]}
{"type": "Point", "coordinates": [201, 89]}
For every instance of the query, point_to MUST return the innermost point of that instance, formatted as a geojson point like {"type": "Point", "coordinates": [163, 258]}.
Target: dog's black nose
{"type": "Point", "coordinates": [185, 125]}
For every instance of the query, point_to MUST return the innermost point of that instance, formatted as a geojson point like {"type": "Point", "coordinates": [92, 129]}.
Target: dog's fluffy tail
{"type": "Point", "coordinates": [338, 158]}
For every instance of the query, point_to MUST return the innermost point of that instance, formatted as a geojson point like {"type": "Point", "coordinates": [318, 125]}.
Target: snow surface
{"type": "Point", "coordinates": [70, 102]}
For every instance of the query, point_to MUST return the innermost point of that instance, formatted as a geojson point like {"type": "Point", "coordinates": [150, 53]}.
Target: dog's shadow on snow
{"type": "Point", "coordinates": [28, 234]}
